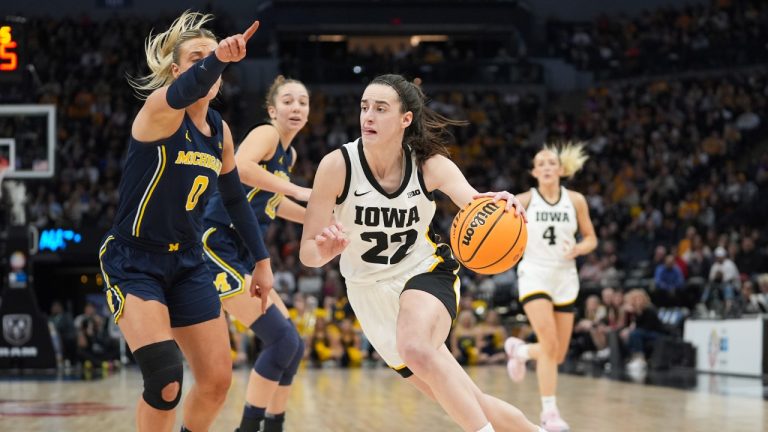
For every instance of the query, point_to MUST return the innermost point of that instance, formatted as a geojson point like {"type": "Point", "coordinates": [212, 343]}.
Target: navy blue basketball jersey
{"type": "Point", "coordinates": [264, 203]}
{"type": "Point", "coordinates": [166, 185]}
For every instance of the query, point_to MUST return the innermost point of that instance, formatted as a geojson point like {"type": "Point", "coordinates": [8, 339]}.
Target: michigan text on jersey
{"type": "Point", "coordinates": [200, 159]}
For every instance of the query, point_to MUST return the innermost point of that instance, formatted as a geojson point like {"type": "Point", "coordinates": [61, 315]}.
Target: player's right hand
{"type": "Point", "coordinates": [331, 241]}
{"type": "Point", "coordinates": [232, 49]}
{"type": "Point", "coordinates": [262, 280]}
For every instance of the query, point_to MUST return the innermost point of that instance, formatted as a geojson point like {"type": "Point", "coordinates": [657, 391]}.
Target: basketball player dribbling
{"type": "Point", "coordinates": [547, 277]}
{"type": "Point", "coordinates": [264, 159]}
{"type": "Point", "coordinates": [157, 284]}
{"type": "Point", "coordinates": [402, 286]}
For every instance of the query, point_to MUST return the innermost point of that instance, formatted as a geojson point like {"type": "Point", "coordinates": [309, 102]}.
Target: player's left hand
{"type": "Point", "coordinates": [512, 202]}
{"type": "Point", "coordinates": [262, 281]}
{"type": "Point", "coordinates": [232, 48]}
{"type": "Point", "coordinates": [575, 251]}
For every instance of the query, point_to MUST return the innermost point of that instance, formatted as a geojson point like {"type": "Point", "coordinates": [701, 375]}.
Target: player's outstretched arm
{"type": "Point", "coordinates": [162, 112]}
{"type": "Point", "coordinates": [322, 239]}
{"type": "Point", "coordinates": [442, 174]}
{"type": "Point", "coordinates": [244, 221]}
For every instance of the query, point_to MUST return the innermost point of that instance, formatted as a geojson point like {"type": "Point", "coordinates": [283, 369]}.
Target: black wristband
{"type": "Point", "coordinates": [243, 219]}
{"type": "Point", "coordinates": [195, 82]}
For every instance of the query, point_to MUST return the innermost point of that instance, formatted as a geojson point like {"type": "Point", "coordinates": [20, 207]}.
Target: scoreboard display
{"type": "Point", "coordinates": [12, 45]}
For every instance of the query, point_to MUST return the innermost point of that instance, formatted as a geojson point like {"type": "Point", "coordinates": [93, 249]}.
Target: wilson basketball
{"type": "Point", "coordinates": [486, 239]}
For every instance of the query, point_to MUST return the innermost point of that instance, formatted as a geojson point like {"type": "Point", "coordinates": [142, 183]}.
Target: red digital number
{"type": "Point", "coordinates": [9, 60]}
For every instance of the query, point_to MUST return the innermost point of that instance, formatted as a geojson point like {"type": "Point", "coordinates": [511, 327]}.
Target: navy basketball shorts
{"type": "Point", "coordinates": [228, 260]}
{"type": "Point", "coordinates": [180, 280]}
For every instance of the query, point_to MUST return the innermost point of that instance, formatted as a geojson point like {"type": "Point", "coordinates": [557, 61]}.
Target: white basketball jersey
{"type": "Point", "coordinates": [551, 229]}
{"type": "Point", "coordinates": [389, 232]}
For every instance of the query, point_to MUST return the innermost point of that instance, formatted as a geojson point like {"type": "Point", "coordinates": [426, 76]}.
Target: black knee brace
{"type": "Point", "coordinates": [161, 364]}
{"type": "Point", "coordinates": [280, 344]}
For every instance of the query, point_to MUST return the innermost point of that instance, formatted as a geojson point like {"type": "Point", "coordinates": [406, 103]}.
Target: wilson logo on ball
{"type": "Point", "coordinates": [478, 220]}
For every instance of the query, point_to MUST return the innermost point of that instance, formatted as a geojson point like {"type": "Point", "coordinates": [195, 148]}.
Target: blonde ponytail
{"type": "Point", "coordinates": [571, 156]}
{"type": "Point", "coordinates": [162, 51]}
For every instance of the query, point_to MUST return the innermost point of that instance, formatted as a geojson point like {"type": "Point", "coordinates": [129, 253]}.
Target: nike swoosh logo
{"type": "Point", "coordinates": [361, 194]}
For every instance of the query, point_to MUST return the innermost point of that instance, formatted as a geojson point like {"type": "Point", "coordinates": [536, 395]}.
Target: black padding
{"type": "Point", "coordinates": [160, 364]}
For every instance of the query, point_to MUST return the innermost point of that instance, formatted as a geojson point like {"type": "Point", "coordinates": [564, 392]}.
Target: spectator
{"type": "Point", "coordinates": [586, 337]}
{"type": "Point", "coordinates": [351, 341]}
{"type": "Point", "coordinates": [644, 330]}
{"type": "Point", "coordinates": [94, 345]}
{"type": "Point", "coordinates": [749, 260]}
{"type": "Point", "coordinates": [668, 281]}
{"type": "Point", "coordinates": [724, 280]}
{"type": "Point", "coordinates": [491, 339]}
{"type": "Point", "coordinates": [65, 329]}
{"type": "Point", "coordinates": [464, 339]}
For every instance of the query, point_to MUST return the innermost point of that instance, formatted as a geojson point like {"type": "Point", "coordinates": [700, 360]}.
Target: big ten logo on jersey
{"type": "Point", "coordinates": [9, 60]}
{"type": "Point", "coordinates": [413, 193]}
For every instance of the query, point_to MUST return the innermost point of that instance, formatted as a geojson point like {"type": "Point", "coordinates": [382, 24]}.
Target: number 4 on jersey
{"type": "Point", "coordinates": [549, 234]}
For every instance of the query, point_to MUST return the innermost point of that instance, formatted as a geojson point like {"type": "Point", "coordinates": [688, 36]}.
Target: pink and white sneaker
{"type": "Point", "coordinates": [552, 422]}
{"type": "Point", "coordinates": [515, 365]}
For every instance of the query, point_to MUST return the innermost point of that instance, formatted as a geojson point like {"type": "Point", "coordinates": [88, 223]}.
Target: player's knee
{"type": "Point", "coordinates": [215, 382]}
{"type": "Point", "coordinates": [416, 356]}
{"type": "Point", "coordinates": [293, 367]}
{"type": "Point", "coordinates": [300, 348]}
{"type": "Point", "coordinates": [163, 372]}
{"type": "Point", "coordinates": [170, 391]}
{"type": "Point", "coordinates": [549, 347]}
{"type": "Point", "coordinates": [280, 341]}
{"type": "Point", "coordinates": [298, 353]}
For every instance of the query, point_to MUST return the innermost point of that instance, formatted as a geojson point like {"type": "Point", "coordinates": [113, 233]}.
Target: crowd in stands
{"type": "Point", "coordinates": [676, 175]}
{"type": "Point", "coordinates": [437, 62]}
{"type": "Point", "coordinates": [90, 339]}
{"type": "Point", "coordinates": [712, 34]}
{"type": "Point", "coordinates": [80, 66]}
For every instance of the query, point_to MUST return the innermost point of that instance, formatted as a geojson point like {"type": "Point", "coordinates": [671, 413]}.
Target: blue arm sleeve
{"type": "Point", "coordinates": [233, 197]}
{"type": "Point", "coordinates": [195, 82]}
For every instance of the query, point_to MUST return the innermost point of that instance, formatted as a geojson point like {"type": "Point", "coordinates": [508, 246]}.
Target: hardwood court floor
{"type": "Point", "coordinates": [379, 400]}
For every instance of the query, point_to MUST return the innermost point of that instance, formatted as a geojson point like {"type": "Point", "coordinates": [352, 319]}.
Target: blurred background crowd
{"type": "Point", "coordinates": [676, 181]}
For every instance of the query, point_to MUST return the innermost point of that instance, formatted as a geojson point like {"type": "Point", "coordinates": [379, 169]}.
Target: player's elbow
{"type": "Point", "coordinates": [307, 255]}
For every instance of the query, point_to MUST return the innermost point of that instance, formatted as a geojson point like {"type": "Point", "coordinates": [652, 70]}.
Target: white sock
{"type": "Point", "coordinates": [486, 428]}
{"type": "Point", "coordinates": [522, 352]}
{"type": "Point", "coordinates": [548, 403]}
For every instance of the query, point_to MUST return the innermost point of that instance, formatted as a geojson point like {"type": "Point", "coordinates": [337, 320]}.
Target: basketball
{"type": "Point", "coordinates": [486, 239]}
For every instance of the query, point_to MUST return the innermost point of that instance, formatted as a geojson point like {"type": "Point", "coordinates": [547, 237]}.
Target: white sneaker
{"type": "Point", "coordinates": [515, 365]}
{"type": "Point", "coordinates": [637, 365]}
{"type": "Point", "coordinates": [604, 354]}
{"type": "Point", "coordinates": [552, 422]}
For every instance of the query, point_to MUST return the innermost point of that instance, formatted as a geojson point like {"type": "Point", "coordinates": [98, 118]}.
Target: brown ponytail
{"type": "Point", "coordinates": [428, 134]}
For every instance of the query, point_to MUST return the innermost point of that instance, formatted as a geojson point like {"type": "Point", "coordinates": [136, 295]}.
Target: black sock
{"type": "Point", "coordinates": [183, 429]}
{"type": "Point", "coordinates": [252, 417]}
{"type": "Point", "coordinates": [274, 422]}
